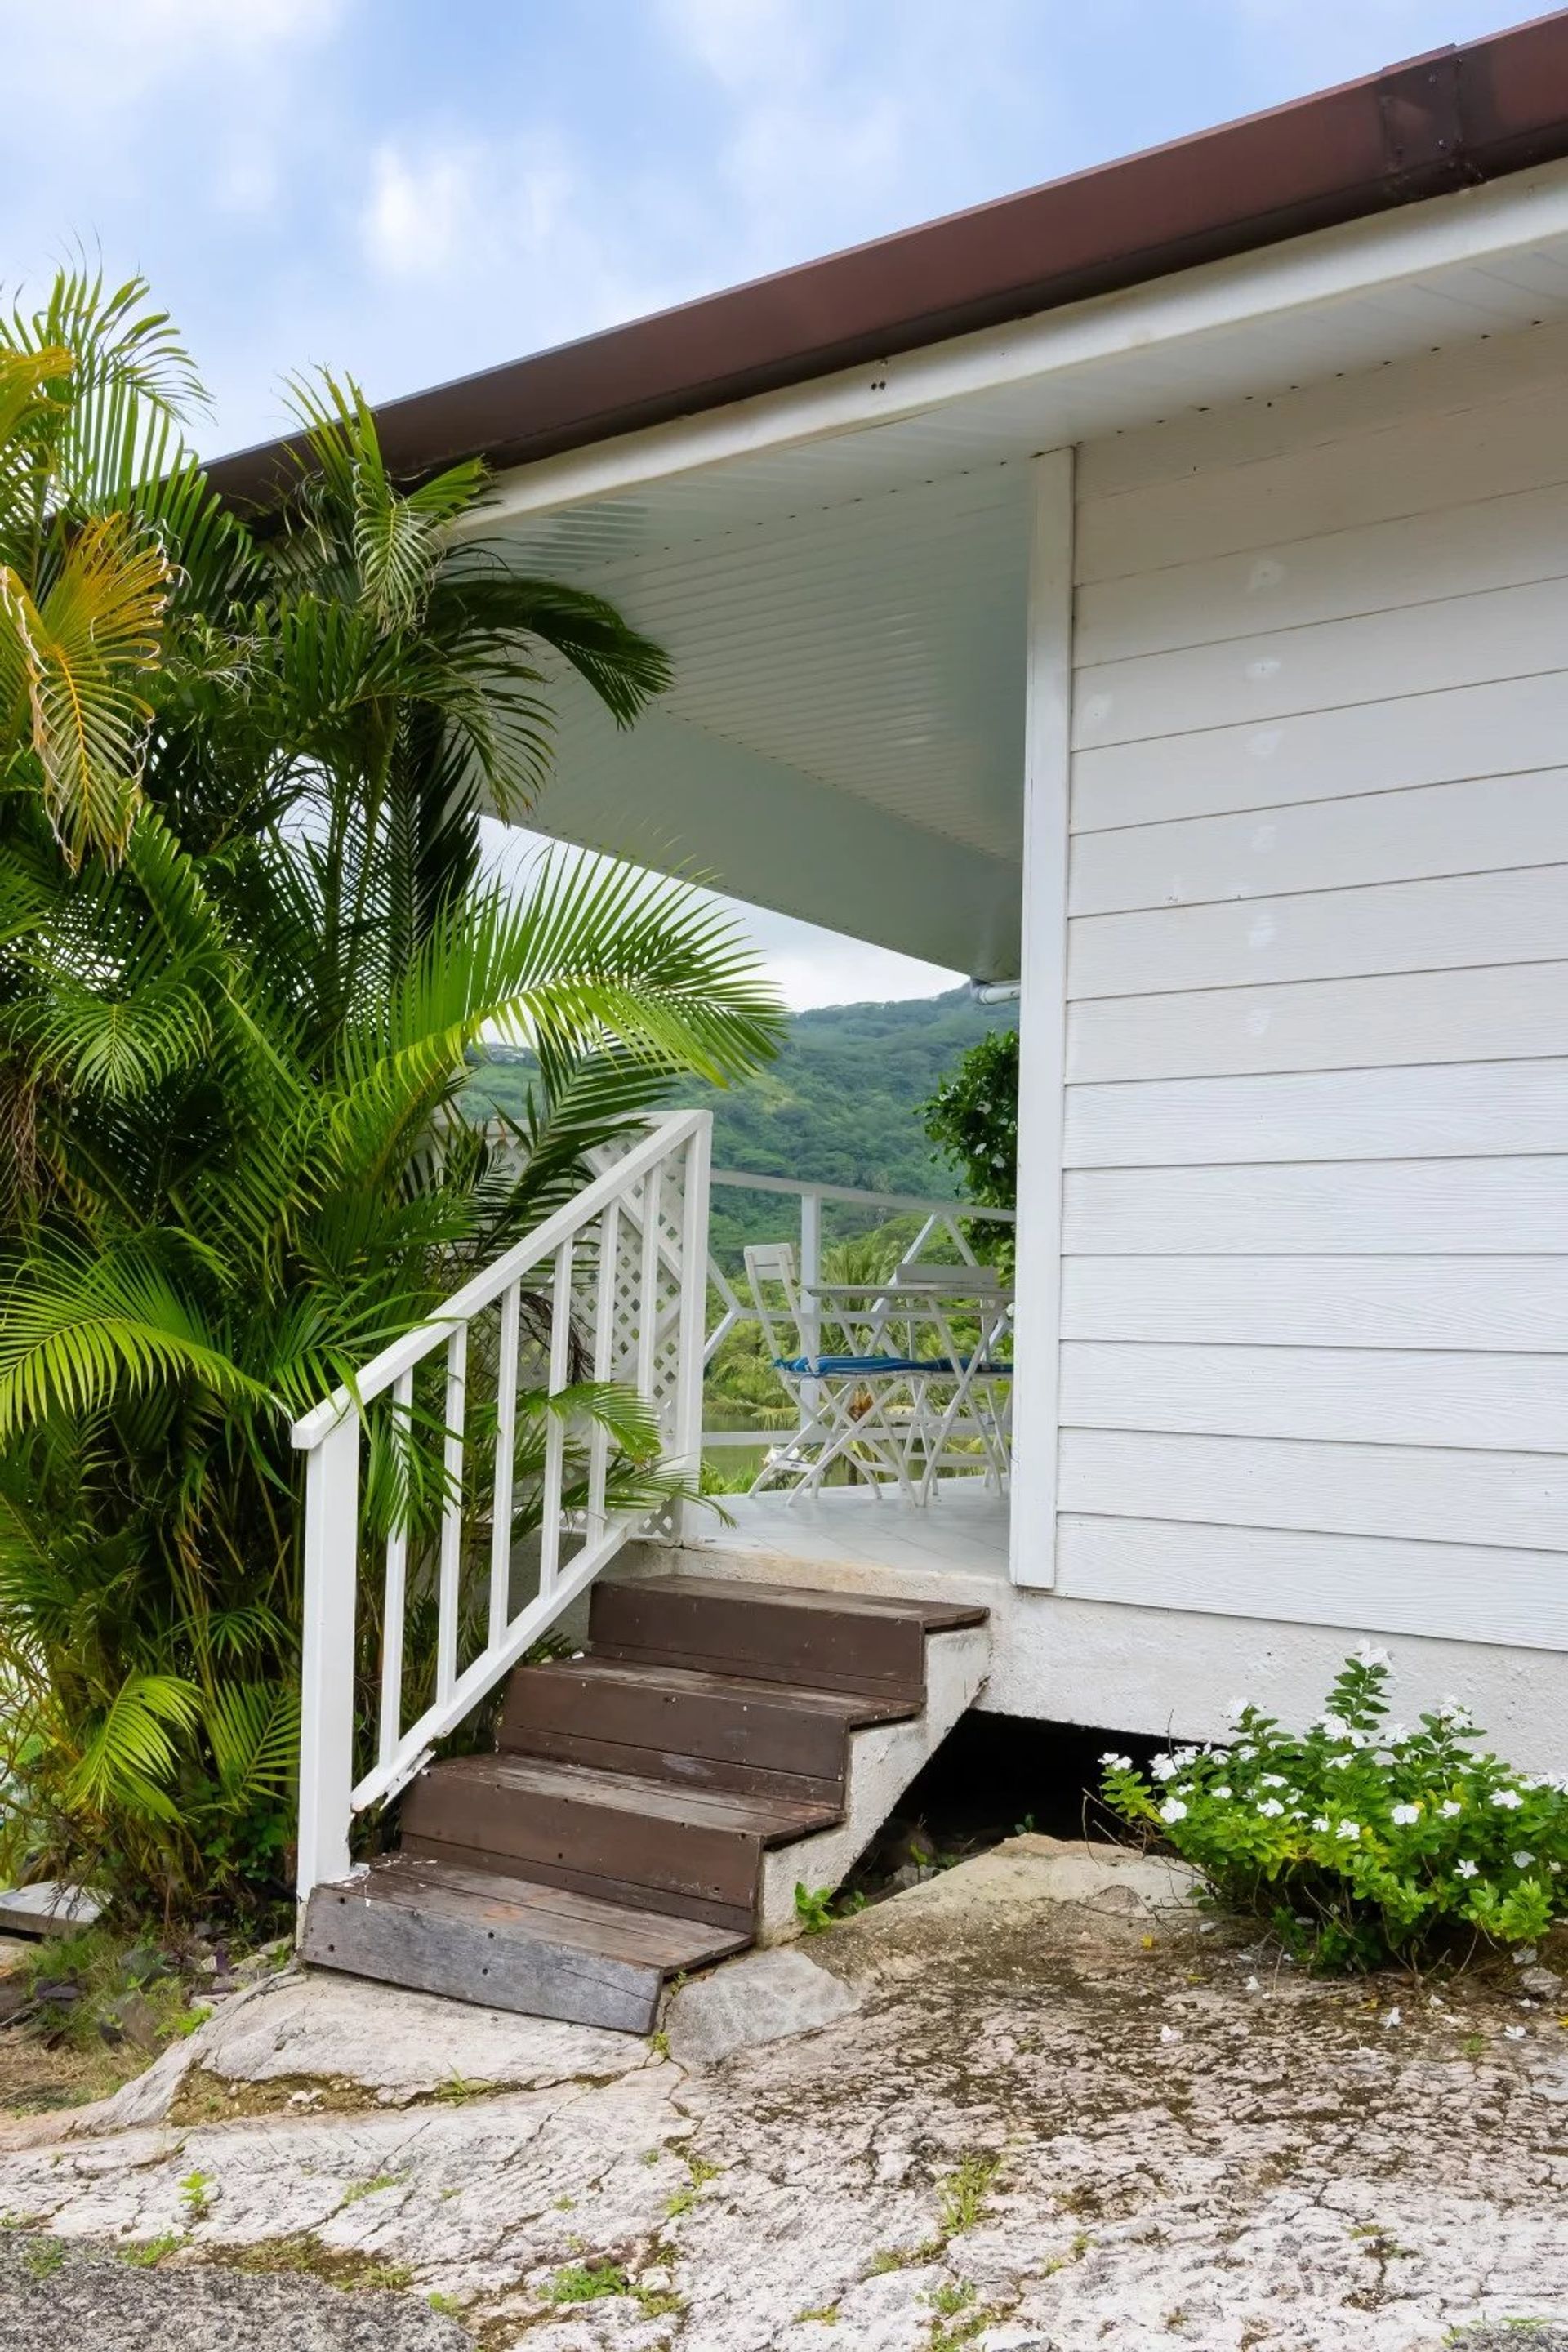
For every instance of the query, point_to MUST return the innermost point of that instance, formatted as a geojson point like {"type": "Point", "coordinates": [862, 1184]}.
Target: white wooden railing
{"type": "Point", "coordinates": [627, 1278]}
{"type": "Point", "coordinates": [939, 1219]}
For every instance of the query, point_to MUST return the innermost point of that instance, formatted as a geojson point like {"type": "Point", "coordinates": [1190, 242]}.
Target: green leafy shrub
{"type": "Point", "coordinates": [1359, 1840]}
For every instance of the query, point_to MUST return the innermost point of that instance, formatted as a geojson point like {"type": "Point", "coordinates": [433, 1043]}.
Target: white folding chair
{"type": "Point", "coordinates": [848, 1405]}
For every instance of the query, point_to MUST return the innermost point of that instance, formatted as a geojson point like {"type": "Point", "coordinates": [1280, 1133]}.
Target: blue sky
{"type": "Point", "coordinates": [410, 190]}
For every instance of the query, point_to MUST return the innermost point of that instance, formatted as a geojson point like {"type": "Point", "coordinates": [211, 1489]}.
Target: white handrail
{"type": "Point", "coordinates": [636, 1238]}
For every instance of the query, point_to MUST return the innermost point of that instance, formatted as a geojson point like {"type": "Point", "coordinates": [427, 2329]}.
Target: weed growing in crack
{"type": "Point", "coordinates": [456, 2091]}
{"type": "Point", "coordinates": [362, 2189]}
{"type": "Point", "coordinates": [964, 2194]}
{"type": "Point", "coordinates": [702, 2169]}
{"type": "Point", "coordinates": [196, 2194]}
{"type": "Point", "coordinates": [588, 2283]}
{"type": "Point", "coordinates": [826, 2312]}
{"type": "Point", "coordinates": [150, 2253]}
{"type": "Point", "coordinates": [681, 2202]}
{"type": "Point", "coordinates": [44, 2260]}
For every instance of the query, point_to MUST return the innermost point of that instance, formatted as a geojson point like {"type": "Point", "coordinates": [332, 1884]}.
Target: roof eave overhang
{"type": "Point", "coordinates": [1455, 119]}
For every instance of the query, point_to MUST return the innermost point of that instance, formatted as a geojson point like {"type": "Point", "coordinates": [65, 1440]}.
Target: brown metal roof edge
{"type": "Point", "coordinates": [1450, 119]}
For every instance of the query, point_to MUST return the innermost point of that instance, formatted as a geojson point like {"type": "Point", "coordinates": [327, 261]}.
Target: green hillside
{"type": "Point", "coordinates": [840, 1104]}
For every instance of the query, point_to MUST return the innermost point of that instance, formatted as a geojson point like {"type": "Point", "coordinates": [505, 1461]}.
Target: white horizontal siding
{"type": "Point", "coordinates": [1482, 826]}
{"type": "Point", "coordinates": [1452, 552]}
{"type": "Point", "coordinates": [1393, 743]}
{"type": "Point", "coordinates": [1432, 1494]}
{"type": "Point", "coordinates": [1464, 1593]}
{"type": "Point", "coordinates": [1387, 1396]}
{"type": "Point", "coordinates": [1378, 1207]}
{"type": "Point", "coordinates": [1314, 1304]}
{"type": "Point", "coordinates": [1495, 1014]}
{"type": "Point", "coordinates": [1412, 466]}
{"type": "Point", "coordinates": [1412, 649]}
{"type": "Point", "coordinates": [1511, 1304]}
{"type": "Point", "coordinates": [1444, 1110]}
{"type": "Point", "coordinates": [1519, 917]}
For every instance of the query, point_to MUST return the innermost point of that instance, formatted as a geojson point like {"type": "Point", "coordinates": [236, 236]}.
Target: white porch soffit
{"type": "Point", "coordinates": [839, 571]}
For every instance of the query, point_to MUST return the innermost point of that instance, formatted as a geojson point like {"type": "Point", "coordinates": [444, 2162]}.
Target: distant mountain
{"type": "Point", "coordinates": [840, 1104]}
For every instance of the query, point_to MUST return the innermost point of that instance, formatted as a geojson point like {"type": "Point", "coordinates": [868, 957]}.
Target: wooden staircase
{"type": "Point", "coordinates": [649, 1803]}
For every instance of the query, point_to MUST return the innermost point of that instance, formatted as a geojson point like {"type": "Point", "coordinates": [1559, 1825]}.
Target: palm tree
{"type": "Point", "coordinates": [245, 952]}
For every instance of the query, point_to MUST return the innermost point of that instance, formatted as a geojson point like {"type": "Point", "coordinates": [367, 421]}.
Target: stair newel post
{"type": "Point", "coordinates": [327, 1662]}
{"type": "Point", "coordinates": [686, 1434]}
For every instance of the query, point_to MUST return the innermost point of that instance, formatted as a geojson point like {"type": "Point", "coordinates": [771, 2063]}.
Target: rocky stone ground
{"type": "Point", "coordinates": [1047, 2109]}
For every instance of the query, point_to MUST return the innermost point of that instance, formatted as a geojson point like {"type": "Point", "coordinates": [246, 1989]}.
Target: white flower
{"type": "Point", "coordinates": [1391, 2017]}
{"type": "Point", "coordinates": [1163, 1768]}
{"type": "Point", "coordinates": [1405, 1814]}
{"type": "Point", "coordinates": [1321, 1821]}
{"type": "Point", "coordinates": [1173, 1809]}
{"type": "Point", "coordinates": [1508, 1800]}
{"type": "Point", "coordinates": [1515, 2033]}
{"type": "Point", "coordinates": [1272, 1780]}
{"type": "Point", "coordinates": [1555, 1868]}
{"type": "Point", "coordinates": [1347, 1830]}
{"type": "Point", "coordinates": [1454, 1710]}
{"type": "Point", "coordinates": [1114, 1763]}
{"type": "Point", "coordinates": [1341, 1763]}
{"type": "Point", "coordinates": [1222, 1790]}
{"type": "Point", "coordinates": [1271, 1807]}
{"type": "Point", "coordinates": [1368, 1655]}
{"type": "Point", "coordinates": [1464, 1870]}
{"type": "Point", "coordinates": [1247, 1754]}
{"type": "Point", "coordinates": [1185, 1755]}
{"type": "Point", "coordinates": [1396, 1736]}
{"type": "Point", "coordinates": [1335, 1725]}
{"type": "Point", "coordinates": [1522, 1861]}
{"type": "Point", "coordinates": [1449, 1808]}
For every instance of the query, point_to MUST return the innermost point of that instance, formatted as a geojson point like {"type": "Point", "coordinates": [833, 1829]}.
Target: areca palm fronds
{"type": "Point", "coordinates": [243, 967]}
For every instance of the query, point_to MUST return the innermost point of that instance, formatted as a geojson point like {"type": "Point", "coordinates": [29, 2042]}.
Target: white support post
{"type": "Point", "coordinates": [691, 1358]}
{"type": "Point", "coordinates": [810, 1312]}
{"type": "Point", "coordinates": [326, 1692]}
{"type": "Point", "coordinates": [1042, 1024]}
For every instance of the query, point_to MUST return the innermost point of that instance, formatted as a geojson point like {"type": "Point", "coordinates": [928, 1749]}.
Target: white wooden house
{"type": "Point", "coordinates": [1154, 589]}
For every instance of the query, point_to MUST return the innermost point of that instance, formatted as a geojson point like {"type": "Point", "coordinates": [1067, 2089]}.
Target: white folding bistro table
{"type": "Point", "coordinates": [960, 1386]}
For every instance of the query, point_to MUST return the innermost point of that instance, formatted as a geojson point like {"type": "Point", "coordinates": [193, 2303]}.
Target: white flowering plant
{"type": "Point", "coordinates": [1360, 1839]}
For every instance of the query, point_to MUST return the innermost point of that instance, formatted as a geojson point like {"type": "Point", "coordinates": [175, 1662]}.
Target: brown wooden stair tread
{"type": "Point", "coordinates": [934, 1616]}
{"type": "Point", "coordinates": [850, 1708]}
{"type": "Point", "coordinates": [584, 1923]}
{"type": "Point", "coordinates": [774, 1821]}
{"type": "Point", "coordinates": [508, 1941]}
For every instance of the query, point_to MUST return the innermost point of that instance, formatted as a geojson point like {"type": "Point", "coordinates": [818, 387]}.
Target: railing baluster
{"type": "Point", "coordinates": [603, 1362]}
{"type": "Point", "coordinates": [555, 1428]}
{"type": "Point", "coordinates": [648, 1280]}
{"type": "Point", "coordinates": [691, 1361]}
{"type": "Point", "coordinates": [452, 1515]}
{"type": "Point", "coordinates": [391, 1729]}
{"type": "Point", "coordinates": [506, 1443]}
